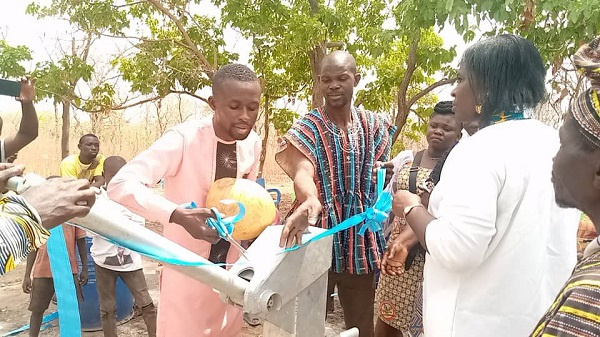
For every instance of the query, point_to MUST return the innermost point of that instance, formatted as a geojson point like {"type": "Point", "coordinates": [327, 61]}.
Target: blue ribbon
{"type": "Point", "coordinates": [372, 218]}
{"type": "Point", "coordinates": [160, 255]}
{"type": "Point", "coordinates": [376, 215]}
{"type": "Point", "coordinates": [64, 287]}
{"type": "Point", "coordinates": [45, 325]}
{"type": "Point", "coordinates": [223, 226]}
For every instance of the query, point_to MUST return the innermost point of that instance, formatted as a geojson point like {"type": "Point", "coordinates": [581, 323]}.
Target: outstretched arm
{"type": "Point", "coordinates": [28, 129]}
{"type": "Point", "coordinates": [302, 171]}
{"type": "Point", "coordinates": [131, 188]}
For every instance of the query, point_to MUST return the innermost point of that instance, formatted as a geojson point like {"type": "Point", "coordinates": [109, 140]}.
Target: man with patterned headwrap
{"type": "Point", "coordinates": [576, 178]}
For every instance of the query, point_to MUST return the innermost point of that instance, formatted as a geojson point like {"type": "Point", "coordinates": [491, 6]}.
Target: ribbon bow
{"type": "Point", "coordinates": [376, 215]}
{"type": "Point", "coordinates": [372, 217]}
{"type": "Point", "coordinates": [223, 226]}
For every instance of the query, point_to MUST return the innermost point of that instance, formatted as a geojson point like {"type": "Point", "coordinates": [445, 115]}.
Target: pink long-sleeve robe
{"type": "Point", "coordinates": [185, 158]}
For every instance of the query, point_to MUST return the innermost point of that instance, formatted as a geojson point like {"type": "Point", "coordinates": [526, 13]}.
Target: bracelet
{"type": "Point", "coordinates": [409, 209]}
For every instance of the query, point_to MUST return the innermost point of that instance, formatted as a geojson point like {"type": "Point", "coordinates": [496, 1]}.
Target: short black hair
{"type": "Point", "coordinates": [114, 163]}
{"type": "Point", "coordinates": [87, 135]}
{"type": "Point", "coordinates": [506, 73]}
{"type": "Point", "coordinates": [443, 108]}
{"type": "Point", "coordinates": [233, 71]}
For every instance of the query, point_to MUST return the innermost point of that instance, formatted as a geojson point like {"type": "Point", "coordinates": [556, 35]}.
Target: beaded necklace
{"type": "Point", "coordinates": [340, 134]}
{"type": "Point", "coordinates": [504, 117]}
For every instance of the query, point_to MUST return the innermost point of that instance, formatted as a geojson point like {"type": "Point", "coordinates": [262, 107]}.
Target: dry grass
{"type": "Point", "coordinates": [117, 137]}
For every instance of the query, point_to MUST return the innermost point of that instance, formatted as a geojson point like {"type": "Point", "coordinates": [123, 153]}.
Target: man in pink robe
{"type": "Point", "coordinates": [189, 157]}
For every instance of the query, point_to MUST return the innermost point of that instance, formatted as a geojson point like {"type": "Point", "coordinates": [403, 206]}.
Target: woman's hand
{"type": "Point", "coordinates": [403, 199]}
{"type": "Point", "coordinates": [394, 257]}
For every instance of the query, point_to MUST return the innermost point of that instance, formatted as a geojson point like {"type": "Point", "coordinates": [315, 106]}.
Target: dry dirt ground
{"type": "Point", "coordinates": [13, 302]}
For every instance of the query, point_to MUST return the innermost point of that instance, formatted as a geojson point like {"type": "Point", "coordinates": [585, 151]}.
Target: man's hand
{"type": "Point", "coordinates": [83, 277]}
{"type": "Point", "coordinates": [93, 164]}
{"type": "Point", "coordinates": [27, 90]}
{"type": "Point", "coordinates": [306, 214]}
{"type": "Point", "coordinates": [8, 171]}
{"type": "Point", "coordinates": [194, 222]}
{"type": "Point", "coordinates": [389, 171]}
{"type": "Point", "coordinates": [27, 284]}
{"type": "Point", "coordinates": [61, 199]}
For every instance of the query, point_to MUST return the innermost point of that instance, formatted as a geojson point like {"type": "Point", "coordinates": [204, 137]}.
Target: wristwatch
{"type": "Point", "coordinates": [410, 208]}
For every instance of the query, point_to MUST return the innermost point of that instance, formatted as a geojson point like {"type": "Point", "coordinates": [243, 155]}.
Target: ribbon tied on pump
{"type": "Point", "coordinates": [372, 218]}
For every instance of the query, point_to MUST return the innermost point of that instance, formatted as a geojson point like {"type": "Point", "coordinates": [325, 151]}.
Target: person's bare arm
{"type": "Point", "coordinates": [28, 267]}
{"type": "Point", "coordinates": [83, 255]}
{"type": "Point", "coordinates": [418, 217]}
{"type": "Point", "coordinates": [302, 171]}
{"type": "Point", "coordinates": [28, 129]}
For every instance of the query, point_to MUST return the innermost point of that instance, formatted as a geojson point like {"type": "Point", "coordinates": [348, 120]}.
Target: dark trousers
{"type": "Point", "coordinates": [106, 281]}
{"type": "Point", "coordinates": [357, 297]}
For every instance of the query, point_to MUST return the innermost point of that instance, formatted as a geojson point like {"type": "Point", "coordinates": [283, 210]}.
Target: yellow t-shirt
{"type": "Point", "coordinates": [73, 168]}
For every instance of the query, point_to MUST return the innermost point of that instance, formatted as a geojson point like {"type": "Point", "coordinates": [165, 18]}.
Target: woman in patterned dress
{"type": "Point", "coordinates": [398, 297]}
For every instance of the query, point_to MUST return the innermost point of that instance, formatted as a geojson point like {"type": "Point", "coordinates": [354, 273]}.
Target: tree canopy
{"type": "Point", "coordinates": [174, 46]}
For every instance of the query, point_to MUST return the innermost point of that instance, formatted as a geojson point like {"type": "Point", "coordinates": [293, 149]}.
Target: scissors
{"type": "Point", "coordinates": [224, 226]}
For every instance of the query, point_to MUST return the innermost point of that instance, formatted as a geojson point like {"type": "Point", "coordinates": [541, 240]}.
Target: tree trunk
{"type": "Point", "coordinates": [263, 150]}
{"type": "Point", "coordinates": [56, 127]}
{"type": "Point", "coordinates": [401, 117]}
{"type": "Point", "coordinates": [66, 127]}
{"type": "Point", "coordinates": [403, 106]}
{"type": "Point", "coordinates": [96, 120]}
{"type": "Point", "coordinates": [316, 56]}
{"type": "Point", "coordinates": [179, 108]}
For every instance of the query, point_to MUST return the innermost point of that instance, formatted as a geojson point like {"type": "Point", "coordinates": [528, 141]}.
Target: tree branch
{"type": "Point", "coordinates": [128, 5]}
{"type": "Point", "coordinates": [358, 102]}
{"type": "Point", "coordinates": [143, 39]}
{"type": "Point", "coordinates": [120, 107]}
{"type": "Point", "coordinates": [205, 100]}
{"type": "Point", "coordinates": [427, 90]}
{"type": "Point", "coordinates": [147, 100]}
{"type": "Point", "coordinates": [314, 7]}
{"type": "Point", "coordinates": [418, 115]}
{"type": "Point", "coordinates": [86, 48]}
{"type": "Point", "coordinates": [205, 65]}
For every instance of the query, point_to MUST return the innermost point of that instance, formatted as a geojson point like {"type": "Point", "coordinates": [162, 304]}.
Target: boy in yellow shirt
{"type": "Point", "coordinates": [88, 164]}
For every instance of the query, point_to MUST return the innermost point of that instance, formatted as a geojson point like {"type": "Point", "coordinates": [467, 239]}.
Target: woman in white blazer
{"type": "Point", "coordinates": [499, 248]}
